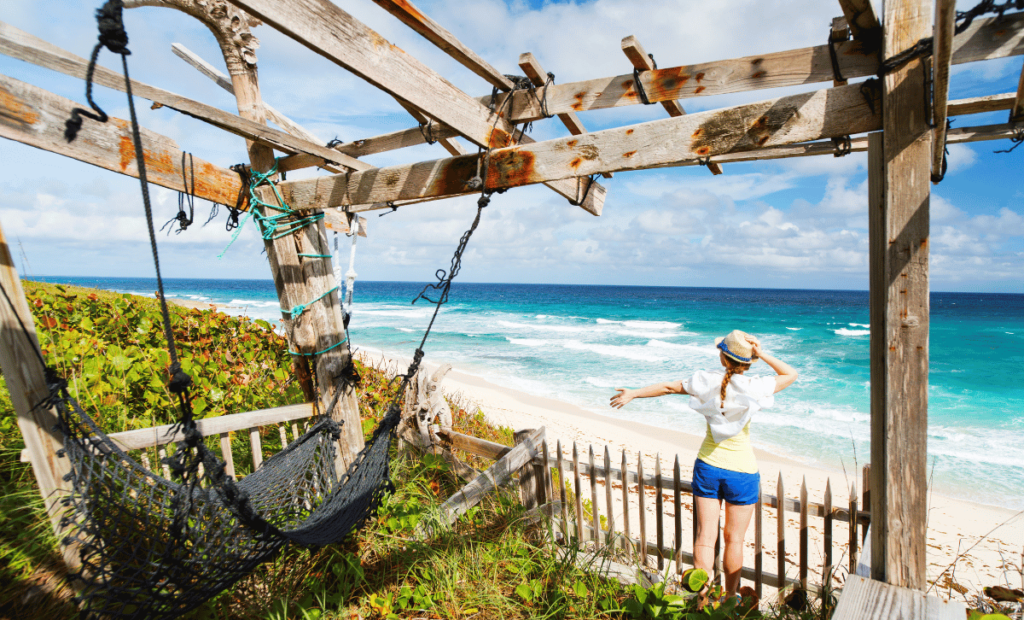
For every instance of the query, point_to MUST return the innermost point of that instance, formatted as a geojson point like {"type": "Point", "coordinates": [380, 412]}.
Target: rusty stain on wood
{"type": "Point", "coordinates": [511, 169]}
{"type": "Point", "coordinates": [16, 110]}
{"type": "Point", "coordinates": [629, 154]}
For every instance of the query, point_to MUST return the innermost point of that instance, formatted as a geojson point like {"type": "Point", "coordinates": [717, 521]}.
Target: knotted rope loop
{"type": "Point", "coordinates": [427, 129]}
{"type": "Point", "coordinates": [1017, 139]}
{"type": "Point", "coordinates": [180, 381]}
{"type": "Point", "coordinates": [297, 311]}
{"type": "Point", "coordinates": [837, 75]}
{"type": "Point", "coordinates": [113, 37]}
{"type": "Point", "coordinates": [638, 86]}
{"type": "Point", "coordinates": [544, 98]}
{"type": "Point", "coordinates": [186, 198]}
{"type": "Point", "coordinates": [586, 190]}
{"type": "Point", "coordinates": [843, 146]}
{"type": "Point", "coordinates": [390, 205]}
{"type": "Point", "coordinates": [704, 161]}
{"type": "Point", "coordinates": [334, 143]}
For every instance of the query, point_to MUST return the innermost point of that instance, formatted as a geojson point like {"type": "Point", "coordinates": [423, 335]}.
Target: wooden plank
{"type": "Point", "coordinates": [804, 543]}
{"type": "Point", "coordinates": [863, 22]}
{"type": "Point", "coordinates": [758, 542]}
{"type": "Point", "coordinates": [222, 80]}
{"type": "Point", "coordinates": [827, 113]}
{"type": "Point", "coordinates": [900, 422]}
{"type": "Point", "coordinates": [337, 221]}
{"type": "Point", "coordinates": [659, 511]}
{"type": "Point", "coordinates": [36, 117]}
{"type": "Point", "coordinates": [533, 70]}
{"type": "Point", "coordinates": [608, 497]}
{"type": "Point", "coordinates": [23, 46]}
{"type": "Point", "coordinates": [1017, 113]}
{"type": "Point", "coordinates": [162, 453]}
{"type": "Point", "coordinates": [579, 492]}
{"type": "Point", "coordinates": [826, 569]}
{"type": "Point", "coordinates": [225, 453]}
{"type": "Point", "coordinates": [945, 22]}
{"type": "Point", "coordinates": [256, 446]}
{"type": "Point", "coordinates": [562, 484]}
{"type": "Point", "coordinates": [677, 505]}
{"type": "Point", "coordinates": [864, 599]}
{"type": "Point", "coordinates": [412, 17]}
{"type": "Point", "coordinates": [549, 495]}
{"type": "Point", "coordinates": [840, 32]}
{"type": "Point", "coordinates": [473, 445]}
{"type": "Point", "coordinates": [495, 476]}
{"type": "Point", "coordinates": [625, 506]}
{"type": "Point", "coordinates": [378, 144]}
{"type": "Point", "coordinates": [209, 427]}
{"type": "Point", "coordinates": [331, 32]}
{"type": "Point", "coordinates": [428, 129]}
{"type": "Point", "coordinates": [985, 39]}
{"type": "Point", "coordinates": [284, 436]}
{"type": "Point", "coordinates": [637, 55]}
{"type": "Point", "coordinates": [527, 478]}
{"type": "Point", "coordinates": [642, 547]}
{"type": "Point", "coordinates": [595, 510]}
{"type": "Point", "coordinates": [853, 529]}
{"type": "Point", "coordinates": [977, 105]}
{"type": "Point", "coordinates": [26, 382]}
{"type": "Point", "coordinates": [780, 530]}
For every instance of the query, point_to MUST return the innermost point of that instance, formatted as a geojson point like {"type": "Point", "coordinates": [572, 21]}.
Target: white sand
{"type": "Point", "coordinates": [955, 526]}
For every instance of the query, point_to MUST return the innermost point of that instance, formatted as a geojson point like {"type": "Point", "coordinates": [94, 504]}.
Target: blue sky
{"type": "Point", "coordinates": [797, 223]}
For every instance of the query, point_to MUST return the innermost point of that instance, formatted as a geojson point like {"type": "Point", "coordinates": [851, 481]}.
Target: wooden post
{"type": "Point", "coordinates": [643, 508]}
{"type": "Point", "coordinates": [579, 491]}
{"type": "Point", "coordinates": [561, 491]}
{"type": "Point", "coordinates": [853, 528]}
{"type": "Point", "coordinates": [26, 383]}
{"type": "Point", "coordinates": [677, 504]}
{"type": "Point", "coordinates": [225, 453]}
{"type": "Point", "coordinates": [608, 494]}
{"type": "Point", "coordinates": [625, 503]}
{"type": "Point", "coordinates": [899, 212]}
{"type": "Point", "coordinates": [659, 511]}
{"type": "Point", "coordinates": [256, 445]}
{"type": "Point", "coordinates": [758, 542]}
{"type": "Point", "coordinates": [804, 544]}
{"type": "Point", "coordinates": [527, 475]}
{"type": "Point", "coordinates": [781, 532]}
{"type": "Point", "coordinates": [945, 22]}
{"type": "Point", "coordinates": [826, 570]}
{"type": "Point", "coordinates": [595, 511]}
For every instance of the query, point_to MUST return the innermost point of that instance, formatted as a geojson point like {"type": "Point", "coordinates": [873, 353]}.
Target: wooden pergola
{"type": "Point", "coordinates": [899, 117]}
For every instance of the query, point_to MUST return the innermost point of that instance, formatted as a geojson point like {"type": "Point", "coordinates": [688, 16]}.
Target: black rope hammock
{"type": "Point", "coordinates": [156, 548]}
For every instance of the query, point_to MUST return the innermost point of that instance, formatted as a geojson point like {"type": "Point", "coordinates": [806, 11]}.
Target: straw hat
{"type": "Point", "coordinates": [736, 347]}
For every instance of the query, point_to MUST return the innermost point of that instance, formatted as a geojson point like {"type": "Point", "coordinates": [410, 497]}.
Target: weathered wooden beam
{"type": "Point", "coordinates": [412, 17]}
{"type": "Point", "coordinates": [945, 23]}
{"type": "Point", "coordinates": [36, 117]}
{"type": "Point", "coordinates": [863, 22]}
{"type": "Point", "coordinates": [642, 61]}
{"type": "Point", "coordinates": [864, 599]}
{"type": "Point", "coordinates": [538, 76]}
{"type": "Point", "coordinates": [473, 445]}
{"type": "Point", "coordinates": [331, 32]}
{"type": "Point", "coordinates": [23, 46]}
{"type": "Point", "coordinates": [1017, 113]}
{"type": "Point", "coordinates": [798, 118]}
{"type": "Point", "coordinates": [977, 105]}
{"type": "Point", "coordinates": [985, 39]}
{"type": "Point", "coordinates": [222, 80]}
{"type": "Point", "coordinates": [899, 308]}
{"type": "Point", "coordinates": [427, 129]}
{"type": "Point", "coordinates": [840, 32]}
{"type": "Point", "coordinates": [26, 381]}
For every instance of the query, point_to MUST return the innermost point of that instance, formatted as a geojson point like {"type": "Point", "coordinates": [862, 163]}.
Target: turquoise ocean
{"type": "Point", "coordinates": [576, 343]}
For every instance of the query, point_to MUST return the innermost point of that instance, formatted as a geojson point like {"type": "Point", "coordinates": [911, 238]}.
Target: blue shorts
{"type": "Point", "coordinates": [734, 487]}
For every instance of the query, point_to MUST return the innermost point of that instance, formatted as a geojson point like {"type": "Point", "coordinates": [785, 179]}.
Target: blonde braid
{"type": "Point", "coordinates": [732, 367]}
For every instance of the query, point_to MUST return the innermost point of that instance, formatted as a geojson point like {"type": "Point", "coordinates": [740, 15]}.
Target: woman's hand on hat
{"type": "Point", "coordinates": [622, 398]}
{"type": "Point", "coordinates": [755, 345]}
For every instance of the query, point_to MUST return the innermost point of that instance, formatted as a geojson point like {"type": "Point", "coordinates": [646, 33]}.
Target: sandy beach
{"type": "Point", "coordinates": [974, 544]}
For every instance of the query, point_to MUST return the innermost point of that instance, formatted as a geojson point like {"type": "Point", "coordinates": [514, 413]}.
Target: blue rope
{"type": "Point", "coordinates": [277, 225]}
{"type": "Point", "coordinates": [316, 255]}
{"type": "Point", "coordinates": [336, 344]}
{"type": "Point", "coordinates": [299, 309]}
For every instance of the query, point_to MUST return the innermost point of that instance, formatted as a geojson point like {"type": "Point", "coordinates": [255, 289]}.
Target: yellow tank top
{"type": "Point", "coordinates": [734, 453]}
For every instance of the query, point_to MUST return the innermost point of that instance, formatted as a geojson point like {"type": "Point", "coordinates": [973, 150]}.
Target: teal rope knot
{"type": "Point", "coordinates": [336, 344]}
{"type": "Point", "coordinates": [299, 309]}
{"type": "Point", "coordinates": [280, 224]}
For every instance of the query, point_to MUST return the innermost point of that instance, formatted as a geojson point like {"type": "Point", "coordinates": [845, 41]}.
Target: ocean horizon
{"type": "Point", "coordinates": [576, 343]}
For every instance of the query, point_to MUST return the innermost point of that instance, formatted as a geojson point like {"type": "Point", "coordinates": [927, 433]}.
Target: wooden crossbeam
{"type": "Point", "coordinates": [863, 22]}
{"type": "Point", "coordinates": [35, 117]}
{"type": "Point", "coordinates": [538, 76]}
{"type": "Point", "coordinates": [642, 61]}
{"type": "Point", "coordinates": [427, 127]}
{"type": "Point", "coordinates": [945, 23]}
{"type": "Point", "coordinates": [977, 105]}
{"type": "Point", "coordinates": [23, 46]}
{"type": "Point", "coordinates": [798, 118]}
{"type": "Point", "coordinates": [1017, 113]}
{"type": "Point", "coordinates": [985, 39]}
{"type": "Point", "coordinates": [412, 17]}
{"type": "Point", "coordinates": [334, 34]}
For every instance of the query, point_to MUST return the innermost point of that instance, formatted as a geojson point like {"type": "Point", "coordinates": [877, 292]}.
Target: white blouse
{"type": "Point", "coordinates": [745, 396]}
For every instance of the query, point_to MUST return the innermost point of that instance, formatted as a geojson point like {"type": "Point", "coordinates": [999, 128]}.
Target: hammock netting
{"type": "Point", "coordinates": [154, 548]}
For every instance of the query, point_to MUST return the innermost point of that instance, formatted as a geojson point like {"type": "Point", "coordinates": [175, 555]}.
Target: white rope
{"type": "Point", "coordinates": [350, 275]}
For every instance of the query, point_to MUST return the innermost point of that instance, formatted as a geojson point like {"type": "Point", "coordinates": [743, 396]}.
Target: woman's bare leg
{"type": "Point", "coordinates": [737, 519]}
{"type": "Point", "coordinates": [707, 532]}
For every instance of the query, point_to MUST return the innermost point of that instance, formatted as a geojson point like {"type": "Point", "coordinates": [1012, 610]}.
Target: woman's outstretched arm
{"type": "Point", "coordinates": [658, 389]}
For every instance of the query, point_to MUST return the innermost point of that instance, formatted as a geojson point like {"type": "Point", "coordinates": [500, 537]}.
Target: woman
{"type": "Point", "coordinates": [725, 468]}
